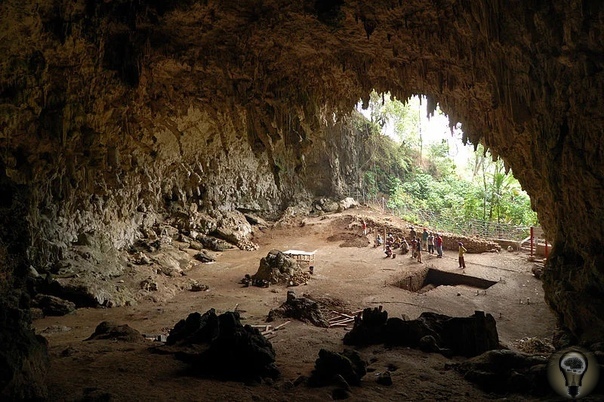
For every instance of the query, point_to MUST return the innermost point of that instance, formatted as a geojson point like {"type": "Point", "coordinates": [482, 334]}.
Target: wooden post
{"type": "Point", "coordinates": [532, 239]}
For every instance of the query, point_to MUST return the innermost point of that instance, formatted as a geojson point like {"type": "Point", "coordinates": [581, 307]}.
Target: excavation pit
{"type": "Point", "coordinates": [429, 278]}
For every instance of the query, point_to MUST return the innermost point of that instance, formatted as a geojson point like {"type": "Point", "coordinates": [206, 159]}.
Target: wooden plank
{"type": "Point", "coordinates": [281, 325]}
{"type": "Point", "coordinates": [346, 315]}
{"type": "Point", "coordinates": [346, 321]}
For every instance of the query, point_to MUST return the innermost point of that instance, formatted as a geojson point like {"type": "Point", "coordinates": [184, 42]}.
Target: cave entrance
{"type": "Point", "coordinates": [430, 278]}
{"type": "Point", "coordinates": [416, 164]}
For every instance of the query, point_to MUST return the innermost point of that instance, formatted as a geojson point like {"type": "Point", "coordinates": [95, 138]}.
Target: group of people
{"type": "Point", "coordinates": [429, 241]}
{"type": "Point", "coordinates": [392, 243]}
{"type": "Point", "coordinates": [426, 241]}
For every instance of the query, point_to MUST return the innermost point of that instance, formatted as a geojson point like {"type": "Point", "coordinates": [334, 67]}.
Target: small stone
{"type": "Point", "coordinates": [384, 378]}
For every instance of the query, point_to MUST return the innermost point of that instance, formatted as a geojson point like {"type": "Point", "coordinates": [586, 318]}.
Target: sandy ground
{"type": "Point", "coordinates": [351, 277]}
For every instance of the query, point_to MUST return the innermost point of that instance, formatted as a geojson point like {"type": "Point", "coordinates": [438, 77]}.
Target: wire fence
{"type": "Point", "coordinates": [443, 223]}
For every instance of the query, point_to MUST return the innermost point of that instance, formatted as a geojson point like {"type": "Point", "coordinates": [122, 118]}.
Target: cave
{"type": "Point", "coordinates": [115, 114]}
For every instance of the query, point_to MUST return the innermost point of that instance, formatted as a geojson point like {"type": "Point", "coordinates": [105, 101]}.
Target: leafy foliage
{"type": "Point", "coordinates": [431, 189]}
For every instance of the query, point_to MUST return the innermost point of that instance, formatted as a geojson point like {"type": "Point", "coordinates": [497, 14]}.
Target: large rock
{"type": "Point", "coordinates": [107, 330]}
{"type": "Point", "coordinates": [331, 366]}
{"type": "Point", "coordinates": [233, 227]}
{"type": "Point", "coordinates": [466, 336]}
{"type": "Point", "coordinates": [506, 371]}
{"type": "Point", "coordinates": [222, 347]}
{"type": "Point", "coordinates": [52, 305]}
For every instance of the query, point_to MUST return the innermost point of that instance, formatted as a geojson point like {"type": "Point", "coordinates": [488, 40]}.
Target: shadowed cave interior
{"type": "Point", "coordinates": [117, 115]}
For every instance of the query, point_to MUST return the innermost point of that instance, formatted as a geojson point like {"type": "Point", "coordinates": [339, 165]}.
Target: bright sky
{"type": "Point", "coordinates": [434, 130]}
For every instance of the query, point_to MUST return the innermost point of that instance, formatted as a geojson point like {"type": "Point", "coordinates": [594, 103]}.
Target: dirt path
{"type": "Point", "coordinates": [352, 277]}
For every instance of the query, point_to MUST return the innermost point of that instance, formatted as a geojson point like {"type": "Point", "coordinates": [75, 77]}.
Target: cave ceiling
{"type": "Point", "coordinates": [518, 76]}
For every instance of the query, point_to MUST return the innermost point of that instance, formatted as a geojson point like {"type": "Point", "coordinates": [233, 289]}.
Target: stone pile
{"type": "Point", "coordinates": [277, 267]}
{"type": "Point", "coordinates": [431, 332]}
{"type": "Point", "coordinates": [220, 346]}
{"type": "Point", "coordinates": [299, 308]}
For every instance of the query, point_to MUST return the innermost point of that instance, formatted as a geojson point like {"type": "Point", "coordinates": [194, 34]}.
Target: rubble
{"type": "Point", "coordinates": [277, 267]}
{"type": "Point", "coordinates": [195, 286]}
{"type": "Point", "coordinates": [299, 308]}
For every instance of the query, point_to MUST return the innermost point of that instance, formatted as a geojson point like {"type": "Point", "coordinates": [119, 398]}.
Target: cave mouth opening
{"type": "Point", "coordinates": [431, 174]}
{"type": "Point", "coordinates": [430, 278]}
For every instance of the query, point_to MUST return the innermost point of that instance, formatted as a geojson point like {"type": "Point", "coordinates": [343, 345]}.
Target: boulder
{"type": "Point", "coordinates": [505, 371]}
{"type": "Point", "coordinates": [331, 366]}
{"type": "Point", "coordinates": [214, 244]}
{"type": "Point", "coordinates": [52, 305]}
{"type": "Point", "coordinates": [348, 203]}
{"type": "Point", "coordinates": [107, 330]}
{"type": "Point", "coordinates": [221, 346]}
{"type": "Point", "coordinates": [233, 227]}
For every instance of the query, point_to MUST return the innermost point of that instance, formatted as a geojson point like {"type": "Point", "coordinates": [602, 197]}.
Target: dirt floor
{"type": "Point", "coordinates": [350, 278]}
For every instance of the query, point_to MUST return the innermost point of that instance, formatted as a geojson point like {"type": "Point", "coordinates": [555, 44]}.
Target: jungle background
{"type": "Point", "coordinates": [418, 167]}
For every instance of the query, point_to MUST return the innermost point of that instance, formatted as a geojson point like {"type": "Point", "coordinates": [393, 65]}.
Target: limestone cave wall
{"type": "Point", "coordinates": [111, 110]}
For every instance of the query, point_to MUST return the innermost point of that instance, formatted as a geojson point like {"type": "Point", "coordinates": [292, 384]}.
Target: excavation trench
{"type": "Point", "coordinates": [429, 278]}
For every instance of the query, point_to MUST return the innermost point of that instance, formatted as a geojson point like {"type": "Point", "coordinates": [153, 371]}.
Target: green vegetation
{"type": "Point", "coordinates": [421, 180]}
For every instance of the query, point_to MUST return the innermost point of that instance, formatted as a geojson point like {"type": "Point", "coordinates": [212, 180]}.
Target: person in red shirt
{"type": "Point", "coordinates": [439, 246]}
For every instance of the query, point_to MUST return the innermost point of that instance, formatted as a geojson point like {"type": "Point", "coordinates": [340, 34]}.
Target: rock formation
{"type": "Point", "coordinates": [220, 346]}
{"type": "Point", "coordinates": [114, 113]}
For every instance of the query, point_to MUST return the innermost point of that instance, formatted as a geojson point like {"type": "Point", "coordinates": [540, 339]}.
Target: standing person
{"type": "Point", "coordinates": [413, 247]}
{"type": "Point", "coordinates": [431, 243]}
{"type": "Point", "coordinates": [462, 251]}
{"type": "Point", "coordinates": [439, 246]}
{"type": "Point", "coordinates": [425, 239]}
{"type": "Point", "coordinates": [412, 233]}
{"type": "Point", "coordinates": [364, 227]}
{"type": "Point", "coordinates": [419, 251]}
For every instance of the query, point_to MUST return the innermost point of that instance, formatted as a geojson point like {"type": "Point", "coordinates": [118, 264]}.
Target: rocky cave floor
{"type": "Point", "coordinates": [347, 278]}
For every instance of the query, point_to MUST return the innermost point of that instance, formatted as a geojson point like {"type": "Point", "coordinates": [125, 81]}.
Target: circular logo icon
{"type": "Point", "coordinates": [573, 372]}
